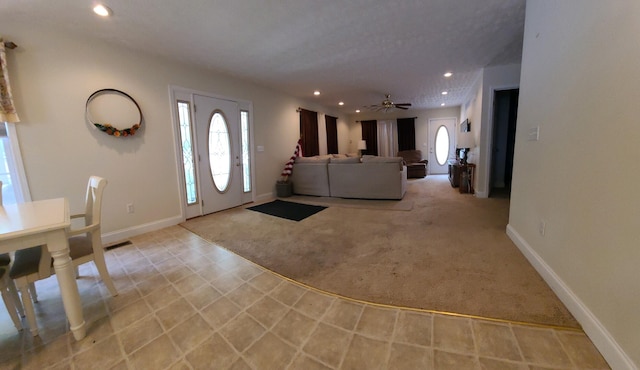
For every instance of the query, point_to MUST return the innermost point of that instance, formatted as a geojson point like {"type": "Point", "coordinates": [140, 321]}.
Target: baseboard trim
{"type": "Point", "coordinates": [120, 235]}
{"type": "Point", "coordinates": [598, 334]}
{"type": "Point", "coordinates": [264, 197]}
{"type": "Point", "coordinates": [481, 194]}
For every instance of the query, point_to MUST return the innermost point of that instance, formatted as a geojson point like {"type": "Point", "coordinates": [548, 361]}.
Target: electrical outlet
{"type": "Point", "coordinates": [129, 207]}
{"type": "Point", "coordinates": [542, 227]}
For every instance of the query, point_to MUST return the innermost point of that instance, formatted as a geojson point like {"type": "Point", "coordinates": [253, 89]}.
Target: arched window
{"type": "Point", "coordinates": [219, 151]}
{"type": "Point", "coordinates": [442, 145]}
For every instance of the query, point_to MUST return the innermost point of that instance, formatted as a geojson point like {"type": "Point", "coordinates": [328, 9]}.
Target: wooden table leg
{"type": "Point", "coordinates": [67, 281]}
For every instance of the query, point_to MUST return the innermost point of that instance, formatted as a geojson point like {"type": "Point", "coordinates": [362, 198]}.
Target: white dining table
{"type": "Point", "coordinates": [45, 222]}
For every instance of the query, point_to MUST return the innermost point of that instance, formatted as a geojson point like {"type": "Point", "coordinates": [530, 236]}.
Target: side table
{"type": "Point", "coordinates": [454, 173]}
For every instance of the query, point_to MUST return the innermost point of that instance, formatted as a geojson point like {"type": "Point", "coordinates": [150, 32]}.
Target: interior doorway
{"type": "Point", "coordinates": [505, 108]}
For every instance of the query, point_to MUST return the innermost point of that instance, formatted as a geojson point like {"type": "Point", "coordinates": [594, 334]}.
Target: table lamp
{"type": "Point", "coordinates": [362, 145]}
{"type": "Point", "coordinates": [465, 142]}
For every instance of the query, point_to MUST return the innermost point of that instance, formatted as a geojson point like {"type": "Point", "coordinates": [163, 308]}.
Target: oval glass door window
{"type": "Point", "coordinates": [442, 145]}
{"type": "Point", "coordinates": [219, 152]}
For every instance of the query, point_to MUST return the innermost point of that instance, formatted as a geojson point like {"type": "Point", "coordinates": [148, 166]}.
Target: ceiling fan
{"type": "Point", "coordinates": [387, 105]}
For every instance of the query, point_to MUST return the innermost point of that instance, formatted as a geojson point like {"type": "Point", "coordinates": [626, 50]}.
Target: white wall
{"type": "Point", "coordinates": [52, 76]}
{"type": "Point", "coordinates": [580, 85]}
{"type": "Point", "coordinates": [472, 110]}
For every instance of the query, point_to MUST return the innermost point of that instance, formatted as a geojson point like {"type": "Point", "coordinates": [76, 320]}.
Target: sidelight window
{"type": "Point", "coordinates": [184, 116]}
{"type": "Point", "coordinates": [246, 167]}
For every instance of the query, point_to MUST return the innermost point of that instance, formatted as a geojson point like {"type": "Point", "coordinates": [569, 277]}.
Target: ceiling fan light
{"type": "Point", "coordinates": [102, 10]}
{"type": "Point", "coordinates": [387, 105]}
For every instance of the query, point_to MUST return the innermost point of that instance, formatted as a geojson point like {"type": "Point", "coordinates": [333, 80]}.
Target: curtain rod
{"type": "Point", "coordinates": [10, 45]}
{"type": "Point", "coordinates": [383, 120]}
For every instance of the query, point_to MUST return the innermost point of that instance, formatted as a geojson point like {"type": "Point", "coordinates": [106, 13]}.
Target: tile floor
{"type": "Point", "coordinates": [187, 304]}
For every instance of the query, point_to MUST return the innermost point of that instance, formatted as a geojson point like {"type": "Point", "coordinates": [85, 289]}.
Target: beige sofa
{"type": "Point", "coordinates": [370, 178]}
{"type": "Point", "coordinates": [310, 177]}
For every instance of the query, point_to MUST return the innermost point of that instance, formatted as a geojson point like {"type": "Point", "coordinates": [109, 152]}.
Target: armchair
{"type": "Point", "coordinates": [416, 166]}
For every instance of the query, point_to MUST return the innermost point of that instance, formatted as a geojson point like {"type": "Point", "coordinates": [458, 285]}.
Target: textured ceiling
{"type": "Point", "coordinates": [353, 51]}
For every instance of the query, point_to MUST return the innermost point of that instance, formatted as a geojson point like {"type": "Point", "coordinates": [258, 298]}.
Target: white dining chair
{"type": "Point", "coordinates": [5, 262]}
{"type": "Point", "coordinates": [10, 297]}
{"type": "Point", "coordinates": [8, 288]}
{"type": "Point", "coordinates": [85, 245]}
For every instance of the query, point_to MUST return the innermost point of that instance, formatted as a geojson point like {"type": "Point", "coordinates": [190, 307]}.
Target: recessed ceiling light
{"type": "Point", "coordinates": [442, 105]}
{"type": "Point", "coordinates": [102, 10]}
{"type": "Point", "coordinates": [448, 74]}
{"type": "Point", "coordinates": [316, 93]}
{"type": "Point", "coordinates": [444, 93]}
{"type": "Point", "coordinates": [341, 103]}
{"type": "Point", "coordinates": [357, 110]}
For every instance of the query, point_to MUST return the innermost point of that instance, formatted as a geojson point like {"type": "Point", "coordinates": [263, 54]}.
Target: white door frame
{"type": "Point", "coordinates": [180, 93]}
{"type": "Point", "coordinates": [486, 143]}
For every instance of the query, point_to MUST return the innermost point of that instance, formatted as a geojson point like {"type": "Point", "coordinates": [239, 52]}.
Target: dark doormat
{"type": "Point", "coordinates": [289, 210]}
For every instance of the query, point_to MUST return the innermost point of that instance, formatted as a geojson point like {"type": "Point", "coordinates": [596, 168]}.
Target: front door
{"type": "Point", "coordinates": [441, 144]}
{"type": "Point", "coordinates": [219, 152]}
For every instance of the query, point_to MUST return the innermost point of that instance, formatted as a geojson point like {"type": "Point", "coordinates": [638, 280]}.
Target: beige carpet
{"type": "Point", "coordinates": [449, 253]}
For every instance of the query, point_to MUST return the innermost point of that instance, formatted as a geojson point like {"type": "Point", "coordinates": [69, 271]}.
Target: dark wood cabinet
{"type": "Point", "coordinates": [454, 173]}
{"type": "Point", "coordinates": [462, 176]}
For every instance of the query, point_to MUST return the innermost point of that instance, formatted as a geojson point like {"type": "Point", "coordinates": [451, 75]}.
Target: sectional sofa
{"type": "Point", "coordinates": [340, 176]}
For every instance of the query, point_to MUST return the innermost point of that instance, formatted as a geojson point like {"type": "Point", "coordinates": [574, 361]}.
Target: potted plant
{"type": "Point", "coordinates": [284, 187]}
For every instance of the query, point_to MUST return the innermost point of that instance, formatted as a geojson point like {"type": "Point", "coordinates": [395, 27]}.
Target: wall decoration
{"type": "Point", "coordinates": [465, 126]}
{"type": "Point", "coordinates": [107, 127]}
